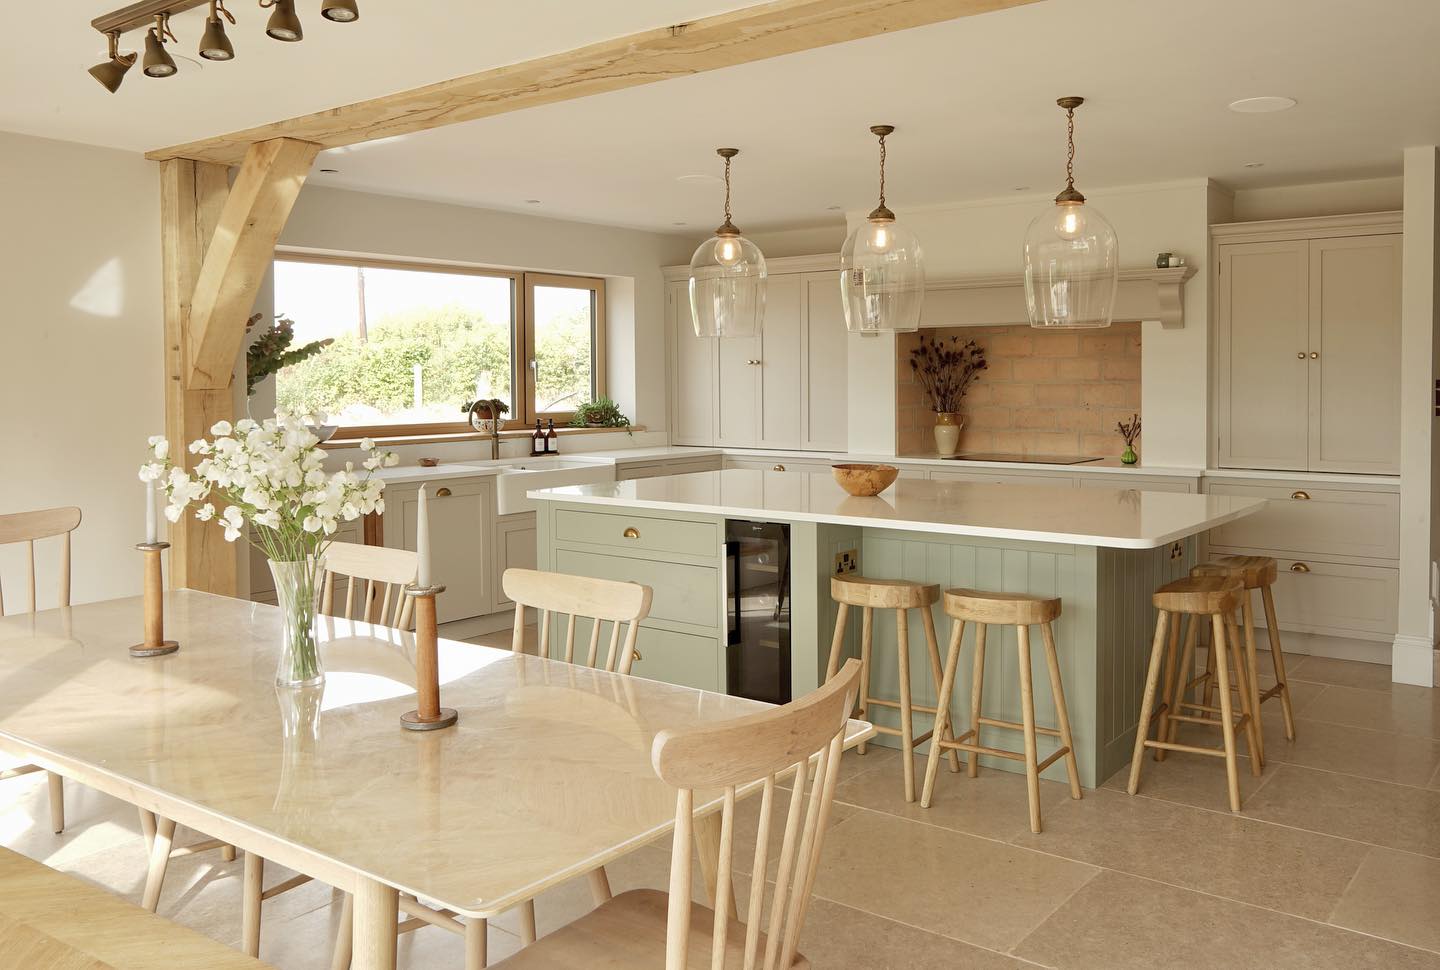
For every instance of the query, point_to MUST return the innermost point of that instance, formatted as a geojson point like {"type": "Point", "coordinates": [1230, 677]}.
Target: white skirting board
{"type": "Point", "coordinates": [1414, 661]}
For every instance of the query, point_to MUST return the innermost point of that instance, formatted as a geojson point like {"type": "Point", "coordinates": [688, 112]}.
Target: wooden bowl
{"type": "Point", "coordinates": [865, 479]}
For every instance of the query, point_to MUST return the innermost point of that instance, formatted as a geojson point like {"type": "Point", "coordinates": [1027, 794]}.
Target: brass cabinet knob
{"type": "Point", "coordinates": [778, 468]}
{"type": "Point", "coordinates": [1301, 496]}
{"type": "Point", "coordinates": [1314, 355]}
{"type": "Point", "coordinates": [1299, 567]}
{"type": "Point", "coordinates": [442, 492]}
{"type": "Point", "coordinates": [635, 655]}
{"type": "Point", "coordinates": [631, 533]}
{"type": "Point", "coordinates": [1301, 355]}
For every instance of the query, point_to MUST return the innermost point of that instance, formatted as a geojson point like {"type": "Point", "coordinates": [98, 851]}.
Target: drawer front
{"type": "Point", "coordinates": [1334, 598]}
{"type": "Point", "coordinates": [682, 594]}
{"type": "Point", "coordinates": [779, 464]}
{"type": "Point", "coordinates": [1330, 522]}
{"type": "Point", "coordinates": [639, 533]}
{"type": "Point", "coordinates": [678, 658]}
{"type": "Point", "coordinates": [625, 473]}
{"type": "Point", "coordinates": [1125, 481]}
{"type": "Point", "coordinates": [988, 478]}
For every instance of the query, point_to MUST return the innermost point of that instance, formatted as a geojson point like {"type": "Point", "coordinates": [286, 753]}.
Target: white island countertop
{"type": "Point", "coordinates": [1116, 518]}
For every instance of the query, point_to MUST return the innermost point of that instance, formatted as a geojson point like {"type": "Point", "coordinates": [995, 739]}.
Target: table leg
{"type": "Point", "coordinates": [377, 909]}
{"type": "Point", "coordinates": [251, 897]}
{"type": "Point", "coordinates": [707, 841]}
{"type": "Point", "coordinates": [159, 862]}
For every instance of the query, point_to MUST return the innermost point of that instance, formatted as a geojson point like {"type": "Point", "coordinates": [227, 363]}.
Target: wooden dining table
{"type": "Point", "coordinates": [546, 776]}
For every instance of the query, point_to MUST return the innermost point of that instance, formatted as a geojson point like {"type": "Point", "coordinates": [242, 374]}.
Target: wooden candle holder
{"type": "Point", "coordinates": [428, 714]}
{"type": "Point", "coordinates": [155, 644]}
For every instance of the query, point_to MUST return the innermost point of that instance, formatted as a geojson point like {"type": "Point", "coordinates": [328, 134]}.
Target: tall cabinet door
{"type": "Point", "coordinates": [692, 389]}
{"type": "Point", "coordinates": [1263, 354]}
{"type": "Point", "coordinates": [1354, 347]}
{"type": "Point", "coordinates": [823, 354]}
{"type": "Point", "coordinates": [780, 363]}
{"type": "Point", "coordinates": [737, 398]}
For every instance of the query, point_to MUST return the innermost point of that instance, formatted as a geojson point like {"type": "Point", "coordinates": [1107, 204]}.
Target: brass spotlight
{"type": "Point", "coordinates": [111, 72]}
{"type": "Point", "coordinates": [158, 62]}
{"type": "Point", "coordinates": [284, 23]}
{"type": "Point", "coordinates": [340, 11]}
{"type": "Point", "coordinates": [214, 44]}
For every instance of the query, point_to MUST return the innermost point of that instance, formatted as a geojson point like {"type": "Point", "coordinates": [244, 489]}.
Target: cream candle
{"type": "Point", "coordinates": [422, 538]}
{"type": "Point", "coordinates": [150, 532]}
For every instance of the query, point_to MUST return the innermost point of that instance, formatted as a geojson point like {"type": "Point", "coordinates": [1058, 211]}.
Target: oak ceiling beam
{"type": "Point", "coordinates": [740, 37]}
{"type": "Point", "coordinates": [239, 253]}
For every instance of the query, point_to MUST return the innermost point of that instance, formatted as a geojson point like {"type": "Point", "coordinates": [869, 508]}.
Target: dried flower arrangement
{"type": "Point", "coordinates": [1129, 430]}
{"type": "Point", "coordinates": [946, 369]}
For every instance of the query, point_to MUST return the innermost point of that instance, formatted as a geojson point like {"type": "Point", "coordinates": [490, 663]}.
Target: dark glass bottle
{"type": "Point", "coordinates": [537, 440]}
{"type": "Point", "coordinates": [552, 440]}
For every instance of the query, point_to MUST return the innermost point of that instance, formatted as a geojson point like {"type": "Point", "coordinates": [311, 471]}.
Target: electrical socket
{"type": "Point", "coordinates": [847, 561]}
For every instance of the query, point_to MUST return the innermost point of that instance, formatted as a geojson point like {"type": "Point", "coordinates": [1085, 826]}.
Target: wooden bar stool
{"type": "Point", "coordinates": [901, 596]}
{"type": "Point", "coordinates": [1254, 572]}
{"type": "Point", "coordinates": [1020, 611]}
{"type": "Point", "coordinates": [1197, 596]}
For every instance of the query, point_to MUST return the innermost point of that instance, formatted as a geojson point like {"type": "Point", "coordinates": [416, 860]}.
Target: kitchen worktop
{"type": "Point", "coordinates": [1120, 519]}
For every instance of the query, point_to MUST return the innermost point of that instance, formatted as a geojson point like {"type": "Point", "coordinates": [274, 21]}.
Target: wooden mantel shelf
{"type": "Point", "coordinates": [1147, 295]}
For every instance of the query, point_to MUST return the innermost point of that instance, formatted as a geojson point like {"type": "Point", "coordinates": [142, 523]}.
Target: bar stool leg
{"type": "Point", "coordinates": [1244, 680]}
{"type": "Point", "coordinates": [1277, 655]}
{"type": "Point", "coordinates": [1182, 680]}
{"type": "Point", "coordinates": [837, 642]}
{"type": "Point", "coordinates": [866, 623]}
{"type": "Point", "coordinates": [1062, 712]}
{"type": "Point", "coordinates": [1168, 682]}
{"type": "Point", "coordinates": [942, 708]}
{"type": "Point", "coordinates": [1027, 716]}
{"type": "Point", "coordinates": [1147, 702]}
{"type": "Point", "coordinates": [1252, 671]}
{"type": "Point", "coordinates": [1209, 696]}
{"type": "Point", "coordinates": [932, 643]}
{"type": "Point", "coordinates": [977, 696]}
{"type": "Point", "coordinates": [907, 715]}
{"type": "Point", "coordinates": [1227, 722]}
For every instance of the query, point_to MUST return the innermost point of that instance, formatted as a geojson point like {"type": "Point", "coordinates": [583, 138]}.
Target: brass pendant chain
{"type": "Point", "coordinates": [727, 191]}
{"type": "Point", "coordinates": [882, 171]}
{"type": "Point", "coordinates": [1070, 160]}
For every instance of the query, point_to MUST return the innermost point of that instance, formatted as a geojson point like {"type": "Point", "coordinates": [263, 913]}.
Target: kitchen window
{"type": "Point", "coordinates": [411, 343]}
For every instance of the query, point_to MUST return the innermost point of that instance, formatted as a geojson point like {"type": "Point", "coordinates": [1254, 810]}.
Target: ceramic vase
{"type": "Point", "coordinates": [1129, 458]}
{"type": "Point", "coordinates": [947, 432]}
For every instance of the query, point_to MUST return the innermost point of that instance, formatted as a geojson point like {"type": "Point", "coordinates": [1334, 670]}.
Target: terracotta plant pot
{"type": "Point", "coordinates": [947, 432]}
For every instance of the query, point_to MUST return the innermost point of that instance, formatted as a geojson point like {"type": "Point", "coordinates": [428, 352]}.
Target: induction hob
{"type": "Point", "coordinates": [1022, 459]}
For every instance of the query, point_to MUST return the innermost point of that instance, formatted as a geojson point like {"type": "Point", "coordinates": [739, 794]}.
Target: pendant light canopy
{"type": "Point", "coordinates": [727, 278]}
{"type": "Point", "coordinates": [1071, 256]}
{"type": "Point", "coordinates": [882, 272]}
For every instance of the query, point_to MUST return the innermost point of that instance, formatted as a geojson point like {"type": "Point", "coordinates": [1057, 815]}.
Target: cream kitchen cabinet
{"type": "Point", "coordinates": [783, 388]}
{"type": "Point", "coordinates": [462, 541]}
{"type": "Point", "coordinates": [1307, 344]}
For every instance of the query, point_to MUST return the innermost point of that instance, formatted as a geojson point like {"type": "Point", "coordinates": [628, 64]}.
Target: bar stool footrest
{"type": "Point", "coordinates": [1055, 756]}
{"type": "Point", "coordinates": [1017, 726]}
{"type": "Point", "coordinates": [1190, 748]}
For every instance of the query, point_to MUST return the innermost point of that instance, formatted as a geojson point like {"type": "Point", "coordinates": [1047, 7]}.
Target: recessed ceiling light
{"type": "Point", "coordinates": [679, 223]}
{"type": "Point", "coordinates": [699, 179]}
{"type": "Point", "coordinates": [329, 171]}
{"type": "Point", "coordinates": [1262, 105]}
{"type": "Point", "coordinates": [833, 208]}
{"type": "Point", "coordinates": [1254, 164]}
{"type": "Point", "coordinates": [1021, 188]}
{"type": "Point", "coordinates": [532, 201]}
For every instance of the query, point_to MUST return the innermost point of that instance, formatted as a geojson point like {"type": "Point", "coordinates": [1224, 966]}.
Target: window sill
{"type": "Point", "coordinates": [433, 439]}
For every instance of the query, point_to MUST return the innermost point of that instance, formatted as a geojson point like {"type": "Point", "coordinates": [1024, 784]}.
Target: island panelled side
{"type": "Point", "coordinates": [1103, 634]}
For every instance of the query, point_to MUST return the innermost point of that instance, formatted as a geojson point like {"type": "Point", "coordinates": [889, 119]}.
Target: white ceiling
{"type": "Point", "coordinates": [972, 100]}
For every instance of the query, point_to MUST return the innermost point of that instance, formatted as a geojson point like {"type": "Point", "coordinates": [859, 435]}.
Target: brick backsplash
{"type": "Point", "coordinates": [1053, 393]}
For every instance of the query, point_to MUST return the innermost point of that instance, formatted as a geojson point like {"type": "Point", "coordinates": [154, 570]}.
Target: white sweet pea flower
{"type": "Point", "coordinates": [220, 429]}
{"type": "Point", "coordinates": [173, 512]}
{"type": "Point", "coordinates": [367, 444]}
{"type": "Point", "coordinates": [374, 462]}
{"type": "Point", "coordinates": [233, 516]}
{"type": "Point", "coordinates": [205, 512]}
{"type": "Point", "coordinates": [152, 472]}
{"type": "Point", "coordinates": [231, 533]}
{"type": "Point", "coordinates": [312, 523]}
{"type": "Point", "coordinates": [245, 425]}
{"type": "Point", "coordinates": [269, 518]}
{"type": "Point", "coordinates": [391, 459]}
{"type": "Point", "coordinates": [200, 447]}
{"type": "Point", "coordinates": [330, 527]}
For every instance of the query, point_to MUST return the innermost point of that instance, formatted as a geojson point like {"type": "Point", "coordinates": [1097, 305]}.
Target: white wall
{"type": "Point", "coordinates": [986, 237]}
{"type": "Point", "coordinates": [336, 221]}
{"type": "Point", "coordinates": [1319, 199]}
{"type": "Point", "coordinates": [80, 353]}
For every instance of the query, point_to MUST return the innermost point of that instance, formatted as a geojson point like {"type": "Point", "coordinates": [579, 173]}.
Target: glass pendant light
{"type": "Point", "coordinates": [882, 272]}
{"type": "Point", "coordinates": [1071, 256]}
{"type": "Point", "coordinates": [727, 278]}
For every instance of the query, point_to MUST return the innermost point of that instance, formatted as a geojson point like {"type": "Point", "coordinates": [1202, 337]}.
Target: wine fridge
{"type": "Point", "coordinates": [757, 608]}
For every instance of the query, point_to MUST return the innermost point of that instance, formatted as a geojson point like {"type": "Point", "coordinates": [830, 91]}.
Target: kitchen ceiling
{"type": "Point", "coordinates": [972, 102]}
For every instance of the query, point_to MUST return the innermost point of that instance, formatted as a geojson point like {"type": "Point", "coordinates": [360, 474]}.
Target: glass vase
{"type": "Point", "coordinates": [297, 593]}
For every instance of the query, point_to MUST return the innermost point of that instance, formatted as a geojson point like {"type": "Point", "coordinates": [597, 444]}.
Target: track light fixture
{"type": "Point", "coordinates": [284, 23]}
{"type": "Point", "coordinates": [154, 17]}
{"type": "Point", "coordinates": [111, 72]}
{"type": "Point", "coordinates": [340, 11]}
{"type": "Point", "coordinates": [158, 62]}
{"type": "Point", "coordinates": [214, 45]}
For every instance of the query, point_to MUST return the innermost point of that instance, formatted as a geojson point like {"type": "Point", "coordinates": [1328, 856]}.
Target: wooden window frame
{"type": "Point", "coordinates": [522, 341]}
{"type": "Point", "coordinates": [596, 285]}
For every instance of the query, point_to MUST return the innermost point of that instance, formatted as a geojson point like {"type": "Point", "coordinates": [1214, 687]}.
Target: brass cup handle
{"type": "Point", "coordinates": [778, 468]}
{"type": "Point", "coordinates": [631, 533]}
{"type": "Point", "coordinates": [1299, 567]}
{"type": "Point", "coordinates": [442, 493]}
{"type": "Point", "coordinates": [1300, 496]}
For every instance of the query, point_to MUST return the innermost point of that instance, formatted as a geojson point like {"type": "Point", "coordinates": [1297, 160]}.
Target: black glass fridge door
{"type": "Point", "coordinates": [757, 585]}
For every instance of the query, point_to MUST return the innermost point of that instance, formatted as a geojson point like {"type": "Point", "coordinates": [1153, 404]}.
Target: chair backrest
{"type": "Point", "coordinates": [599, 600]}
{"type": "Point", "coordinates": [738, 753]}
{"type": "Point", "coordinates": [27, 527]}
{"type": "Point", "coordinates": [382, 571]}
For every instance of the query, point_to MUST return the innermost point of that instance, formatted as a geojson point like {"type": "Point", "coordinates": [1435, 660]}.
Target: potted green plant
{"type": "Point", "coordinates": [600, 413]}
{"type": "Point", "coordinates": [485, 414]}
{"type": "Point", "coordinates": [270, 351]}
{"type": "Point", "coordinates": [946, 369]}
